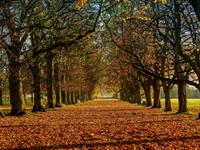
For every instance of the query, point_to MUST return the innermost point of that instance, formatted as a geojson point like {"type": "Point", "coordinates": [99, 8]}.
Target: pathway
{"type": "Point", "coordinates": [101, 124]}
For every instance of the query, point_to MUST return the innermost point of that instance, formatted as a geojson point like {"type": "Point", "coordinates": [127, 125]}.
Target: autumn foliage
{"type": "Point", "coordinates": [101, 124]}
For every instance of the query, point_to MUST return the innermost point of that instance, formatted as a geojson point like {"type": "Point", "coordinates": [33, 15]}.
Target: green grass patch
{"type": "Point", "coordinates": [191, 102]}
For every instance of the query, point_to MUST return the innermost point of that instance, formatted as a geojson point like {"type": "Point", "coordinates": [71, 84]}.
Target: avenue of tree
{"type": "Point", "coordinates": [62, 50]}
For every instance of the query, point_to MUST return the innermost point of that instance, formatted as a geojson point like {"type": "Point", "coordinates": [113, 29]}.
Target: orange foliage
{"type": "Point", "coordinates": [80, 3]}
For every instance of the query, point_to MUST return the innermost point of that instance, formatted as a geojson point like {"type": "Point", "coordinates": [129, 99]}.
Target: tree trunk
{"type": "Point", "coordinates": [76, 96]}
{"type": "Point", "coordinates": [168, 106]}
{"type": "Point", "coordinates": [63, 93]}
{"type": "Point", "coordinates": [182, 98]}
{"type": "Point", "coordinates": [137, 93]}
{"type": "Point", "coordinates": [32, 96]}
{"type": "Point", "coordinates": [57, 83]}
{"type": "Point", "coordinates": [1, 91]}
{"type": "Point", "coordinates": [63, 96]}
{"type": "Point", "coordinates": [37, 106]}
{"type": "Point", "coordinates": [73, 99]}
{"type": "Point", "coordinates": [147, 91]}
{"type": "Point", "coordinates": [24, 93]}
{"type": "Point", "coordinates": [86, 96]}
{"type": "Point", "coordinates": [15, 86]}
{"type": "Point", "coordinates": [156, 93]}
{"type": "Point", "coordinates": [122, 95]}
{"type": "Point", "coordinates": [68, 98]}
{"type": "Point", "coordinates": [49, 80]}
{"type": "Point", "coordinates": [81, 96]}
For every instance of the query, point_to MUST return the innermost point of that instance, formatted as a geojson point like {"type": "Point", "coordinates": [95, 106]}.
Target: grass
{"type": "Point", "coordinates": [191, 102]}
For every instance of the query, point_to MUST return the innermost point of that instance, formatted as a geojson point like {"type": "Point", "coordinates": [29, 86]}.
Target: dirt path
{"type": "Point", "coordinates": [101, 124]}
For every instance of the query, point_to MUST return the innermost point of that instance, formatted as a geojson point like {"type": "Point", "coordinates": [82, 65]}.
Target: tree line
{"type": "Point", "coordinates": [46, 48]}
{"type": "Point", "coordinates": [155, 44]}
{"type": "Point", "coordinates": [63, 46]}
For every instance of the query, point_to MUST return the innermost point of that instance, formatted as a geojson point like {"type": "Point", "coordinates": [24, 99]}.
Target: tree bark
{"type": "Point", "coordinates": [81, 96]}
{"type": "Point", "coordinates": [63, 93]}
{"type": "Point", "coordinates": [156, 93]}
{"type": "Point", "coordinates": [63, 96]}
{"type": "Point", "coordinates": [24, 93]}
{"type": "Point", "coordinates": [37, 106]}
{"type": "Point", "coordinates": [168, 106]}
{"type": "Point", "coordinates": [73, 97]}
{"type": "Point", "coordinates": [49, 80]}
{"type": "Point", "coordinates": [147, 91]}
{"type": "Point", "coordinates": [15, 86]}
{"type": "Point", "coordinates": [57, 83]}
{"type": "Point", "coordinates": [137, 93]}
{"type": "Point", "coordinates": [68, 98]}
{"type": "Point", "coordinates": [182, 98]}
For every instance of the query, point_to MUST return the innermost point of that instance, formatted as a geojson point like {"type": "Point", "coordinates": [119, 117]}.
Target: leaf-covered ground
{"type": "Point", "coordinates": [101, 124]}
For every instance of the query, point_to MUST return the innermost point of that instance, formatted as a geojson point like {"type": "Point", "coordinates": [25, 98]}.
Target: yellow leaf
{"type": "Point", "coordinates": [80, 3]}
{"type": "Point", "coordinates": [161, 1]}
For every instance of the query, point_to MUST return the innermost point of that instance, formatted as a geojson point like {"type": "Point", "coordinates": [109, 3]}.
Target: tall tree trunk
{"type": "Point", "coordinates": [132, 90]}
{"type": "Point", "coordinates": [122, 95]}
{"type": "Point", "coordinates": [49, 80]}
{"type": "Point", "coordinates": [86, 96]}
{"type": "Point", "coordinates": [168, 106]}
{"type": "Point", "coordinates": [63, 93]}
{"type": "Point", "coordinates": [147, 91]}
{"type": "Point", "coordinates": [15, 86]}
{"type": "Point", "coordinates": [182, 98]}
{"type": "Point", "coordinates": [63, 96]}
{"type": "Point", "coordinates": [1, 91]}
{"type": "Point", "coordinates": [156, 93]}
{"type": "Point", "coordinates": [137, 93]}
{"type": "Point", "coordinates": [37, 106]}
{"type": "Point", "coordinates": [81, 96]}
{"type": "Point", "coordinates": [57, 83]}
{"type": "Point", "coordinates": [24, 93]}
{"type": "Point", "coordinates": [68, 98]}
{"type": "Point", "coordinates": [75, 97]}
{"type": "Point", "coordinates": [73, 100]}
{"type": "Point", "coordinates": [32, 96]}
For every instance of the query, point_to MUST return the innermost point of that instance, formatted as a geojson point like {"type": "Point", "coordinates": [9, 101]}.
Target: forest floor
{"type": "Point", "coordinates": [101, 124]}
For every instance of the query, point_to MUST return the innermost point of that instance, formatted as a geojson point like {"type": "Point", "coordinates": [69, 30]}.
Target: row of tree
{"type": "Point", "coordinates": [155, 45]}
{"type": "Point", "coordinates": [46, 46]}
